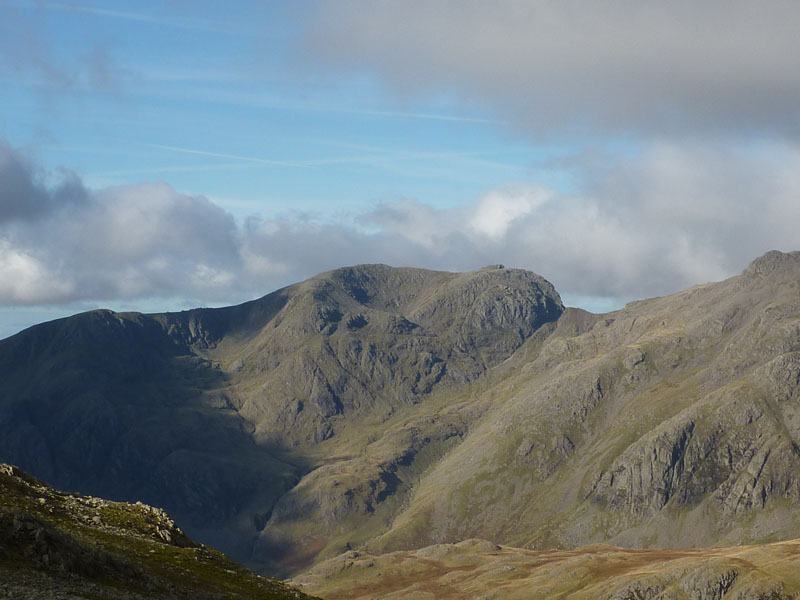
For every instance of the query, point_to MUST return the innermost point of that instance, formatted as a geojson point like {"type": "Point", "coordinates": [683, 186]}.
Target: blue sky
{"type": "Point", "coordinates": [226, 113]}
{"type": "Point", "coordinates": [165, 155]}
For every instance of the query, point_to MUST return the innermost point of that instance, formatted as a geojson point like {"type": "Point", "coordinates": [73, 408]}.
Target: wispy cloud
{"type": "Point", "coordinates": [411, 115]}
{"type": "Point", "coordinates": [173, 169]}
{"type": "Point", "coordinates": [27, 47]}
{"type": "Point", "coordinates": [251, 159]}
{"type": "Point", "coordinates": [387, 159]}
{"type": "Point", "coordinates": [234, 97]}
{"type": "Point", "coordinates": [385, 113]}
{"type": "Point", "coordinates": [163, 21]}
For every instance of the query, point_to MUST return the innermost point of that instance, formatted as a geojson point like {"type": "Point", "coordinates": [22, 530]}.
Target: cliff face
{"type": "Point", "coordinates": [389, 409]}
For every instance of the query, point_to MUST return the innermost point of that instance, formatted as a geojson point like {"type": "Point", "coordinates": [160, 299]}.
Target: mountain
{"type": "Point", "coordinates": [673, 422]}
{"type": "Point", "coordinates": [379, 410]}
{"type": "Point", "coordinates": [62, 545]}
{"type": "Point", "coordinates": [215, 414]}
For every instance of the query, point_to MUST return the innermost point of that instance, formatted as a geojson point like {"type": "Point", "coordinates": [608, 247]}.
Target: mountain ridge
{"type": "Point", "coordinates": [389, 409]}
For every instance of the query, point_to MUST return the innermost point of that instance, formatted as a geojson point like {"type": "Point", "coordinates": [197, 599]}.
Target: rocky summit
{"type": "Point", "coordinates": [373, 409]}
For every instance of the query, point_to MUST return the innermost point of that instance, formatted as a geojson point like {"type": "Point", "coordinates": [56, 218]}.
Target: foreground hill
{"type": "Point", "coordinates": [480, 569]}
{"type": "Point", "coordinates": [60, 545]}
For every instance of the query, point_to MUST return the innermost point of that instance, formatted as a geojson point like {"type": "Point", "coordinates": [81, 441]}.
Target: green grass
{"type": "Point", "coordinates": [129, 534]}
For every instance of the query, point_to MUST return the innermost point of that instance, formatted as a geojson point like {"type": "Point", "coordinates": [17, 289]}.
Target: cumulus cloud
{"type": "Point", "coordinates": [704, 91]}
{"type": "Point", "coordinates": [674, 216]}
{"type": "Point", "coordinates": [24, 196]}
{"type": "Point", "coordinates": [60, 241]}
{"type": "Point", "coordinates": [671, 217]}
{"type": "Point", "coordinates": [559, 65]}
{"type": "Point", "coordinates": [499, 209]}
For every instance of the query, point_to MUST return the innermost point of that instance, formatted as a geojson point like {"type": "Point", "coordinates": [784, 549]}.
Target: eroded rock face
{"type": "Point", "coordinates": [645, 477]}
{"type": "Point", "coordinates": [738, 455]}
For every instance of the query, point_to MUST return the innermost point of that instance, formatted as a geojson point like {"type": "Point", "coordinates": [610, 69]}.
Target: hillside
{"type": "Point", "coordinates": [480, 569]}
{"type": "Point", "coordinates": [63, 545]}
{"type": "Point", "coordinates": [384, 409]}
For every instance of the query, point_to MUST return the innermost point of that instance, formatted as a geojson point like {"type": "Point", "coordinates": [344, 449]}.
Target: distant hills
{"type": "Point", "coordinates": [379, 409]}
{"type": "Point", "coordinates": [480, 569]}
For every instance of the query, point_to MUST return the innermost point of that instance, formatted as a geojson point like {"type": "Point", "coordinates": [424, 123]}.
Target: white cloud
{"type": "Point", "coordinates": [497, 210]}
{"type": "Point", "coordinates": [414, 221]}
{"type": "Point", "coordinates": [563, 65]}
{"type": "Point", "coordinates": [25, 280]}
{"type": "Point", "coordinates": [673, 216]}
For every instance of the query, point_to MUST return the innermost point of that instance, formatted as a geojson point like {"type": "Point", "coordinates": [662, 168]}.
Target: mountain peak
{"type": "Point", "coordinates": [774, 262]}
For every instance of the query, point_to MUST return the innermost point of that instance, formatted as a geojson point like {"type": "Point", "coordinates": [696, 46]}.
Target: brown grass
{"type": "Point", "coordinates": [466, 571]}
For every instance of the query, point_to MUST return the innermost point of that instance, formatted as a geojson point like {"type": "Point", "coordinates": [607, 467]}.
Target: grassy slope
{"type": "Point", "coordinates": [55, 543]}
{"type": "Point", "coordinates": [480, 569]}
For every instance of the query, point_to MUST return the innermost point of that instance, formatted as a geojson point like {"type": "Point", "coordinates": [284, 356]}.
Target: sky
{"type": "Point", "coordinates": [165, 155]}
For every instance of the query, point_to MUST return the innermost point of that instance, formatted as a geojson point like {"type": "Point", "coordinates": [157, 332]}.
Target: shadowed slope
{"type": "Point", "coordinates": [121, 405]}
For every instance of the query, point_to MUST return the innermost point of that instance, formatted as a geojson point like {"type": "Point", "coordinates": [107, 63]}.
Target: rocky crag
{"type": "Point", "coordinates": [384, 409]}
{"type": "Point", "coordinates": [61, 545]}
